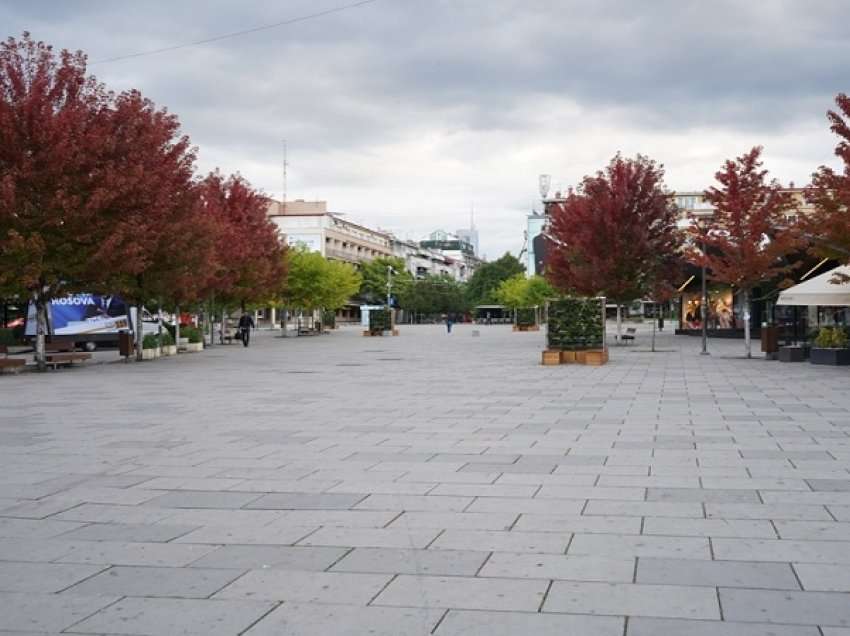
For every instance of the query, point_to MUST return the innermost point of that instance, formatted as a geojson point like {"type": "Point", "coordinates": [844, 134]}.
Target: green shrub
{"type": "Point", "coordinates": [379, 320]}
{"type": "Point", "coordinates": [574, 324]}
{"type": "Point", "coordinates": [7, 336]}
{"type": "Point", "coordinates": [167, 339]}
{"type": "Point", "coordinates": [150, 341]}
{"type": "Point", "coordinates": [526, 317]}
{"type": "Point", "coordinates": [329, 318]}
{"type": "Point", "coordinates": [831, 338]}
{"type": "Point", "coordinates": [167, 326]}
{"type": "Point", "coordinates": [192, 334]}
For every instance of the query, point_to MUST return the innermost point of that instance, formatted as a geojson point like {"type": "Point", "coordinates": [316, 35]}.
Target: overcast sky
{"type": "Point", "coordinates": [405, 113]}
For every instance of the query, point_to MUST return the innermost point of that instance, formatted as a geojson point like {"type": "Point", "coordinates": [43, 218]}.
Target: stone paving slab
{"type": "Point", "coordinates": [444, 483]}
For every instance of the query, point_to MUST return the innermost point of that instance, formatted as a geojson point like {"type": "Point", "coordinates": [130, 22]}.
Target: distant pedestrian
{"type": "Point", "coordinates": [448, 324]}
{"type": "Point", "coordinates": [246, 323]}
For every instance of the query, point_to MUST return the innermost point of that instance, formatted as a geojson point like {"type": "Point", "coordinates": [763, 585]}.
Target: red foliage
{"type": "Point", "coordinates": [830, 193]}
{"type": "Point", "coordinates": [617, 235]}
{"type": "Point", "coordinates": [249, 264]}
{"type": "Point", "coordinates": [747, 239]}
{"type": "Point", "coordinates": [54, 181]}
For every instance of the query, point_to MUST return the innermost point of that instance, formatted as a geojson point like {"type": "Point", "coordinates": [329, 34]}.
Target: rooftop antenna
{"type": "Point", "coordinates": [285, 166]}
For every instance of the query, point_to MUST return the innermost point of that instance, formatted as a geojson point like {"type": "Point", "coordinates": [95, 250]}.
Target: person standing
{"type": "Point", "coordinates": [448, 324]}
{"type": "Point", "coordinates": [246, 323]}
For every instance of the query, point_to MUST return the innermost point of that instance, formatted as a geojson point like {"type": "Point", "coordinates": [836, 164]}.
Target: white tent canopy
{"type": "Point", "coordinates": [819, 290]}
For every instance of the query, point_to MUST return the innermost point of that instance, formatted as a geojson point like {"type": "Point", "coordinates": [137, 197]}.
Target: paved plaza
{"type": "Point", "coordinates": [427, 484]}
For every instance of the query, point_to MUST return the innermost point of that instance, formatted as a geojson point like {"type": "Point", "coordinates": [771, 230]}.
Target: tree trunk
{"type": "Point", "coordinates": [654, 318]}
{"type": "Point", "coordinates": [140, 332]}
{"type": "Point", "coordinates": [40, 332]}
{"type": "Point", "coordinates": [285, 321]}
{"type": "Point", "coordinates": [619, 325]}
{"type": "Point", "coordinates": [748, 345]}
{"type": "Point", "coordinates": [177, 326]}
{"type": "Point", "coordinates": [211, 323]}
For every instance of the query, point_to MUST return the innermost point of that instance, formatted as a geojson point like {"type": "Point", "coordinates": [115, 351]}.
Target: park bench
{"type": "Point", "coordinates": [14, 364]}
{"type": "Point", "coordinates": [629, 335]}
{"type": "Point", "coordinates": [57, 353]}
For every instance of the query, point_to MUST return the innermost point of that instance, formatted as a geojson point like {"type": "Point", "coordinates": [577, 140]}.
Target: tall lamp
{"type": "Point", "coordinates": [702, 216]}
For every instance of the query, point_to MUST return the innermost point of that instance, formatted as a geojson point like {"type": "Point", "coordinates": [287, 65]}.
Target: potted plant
{"type": "Point", "coordinates": [194, 339]}
{"type": "Point", "coordinates": [166, 344]}
{"type": "Point", "coordinates": [379, 322]}
{"type": "Point", "coordinates": [150, 347]}
{"type": "Point", "coordinates": [526, 319]}
{"type": "Point", "coordinates": [830, 347]}
{"type": "Point", "coordinates": [575, 329]}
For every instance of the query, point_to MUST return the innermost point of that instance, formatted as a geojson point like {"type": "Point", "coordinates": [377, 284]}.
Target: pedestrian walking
{"type": "Point", "coordinates": [246, 323]}
{"type": "Point", "coordinates": [448, 324]}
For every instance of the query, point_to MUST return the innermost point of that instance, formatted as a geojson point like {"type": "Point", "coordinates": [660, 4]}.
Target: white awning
{"type": "Point", "coordinates": [819, 290]}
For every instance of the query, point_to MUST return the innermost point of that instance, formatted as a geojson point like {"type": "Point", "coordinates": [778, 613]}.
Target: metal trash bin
{"type": "Point", "coordinates": [126, 346]}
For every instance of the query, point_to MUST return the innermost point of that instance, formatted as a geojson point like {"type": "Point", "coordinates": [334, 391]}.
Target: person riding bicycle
{"type": "Point", "coordinates": [246, 323]}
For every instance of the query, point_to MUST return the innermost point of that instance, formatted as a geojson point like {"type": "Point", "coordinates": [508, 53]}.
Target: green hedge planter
{"type": "Point", "coordinates": [575, 324]}
{"type": "Point", "coordinates": [379, 321]}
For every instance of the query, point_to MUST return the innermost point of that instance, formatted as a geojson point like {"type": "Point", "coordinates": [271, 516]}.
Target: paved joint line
{"type": "Point", "coordinates": [775, 529]}
{"type": "Point", "coordinates": [431, 542]}
{"type": "Point", "coordinates": [439, 622]}
{"type": "Point", "coordinates": [273, 608]}
{"type": "Point", "coordinates": [719, 604]}
{"type": "Point", "coordinates": [100, 609]}
{"type": "Point", "coordinates": [483, 563]}
{"type": "Point", "coordinates": [344, 554]}
{"type": "Point", "coordinates": [515, 521]}
{"type": "Point", "coordinates": [233, 580]}
{"type": "Point", "coordinates": [797, 576]}
{"type": "Point", "coordinates": [313, 531]}
{"type": "Point", "coordinates": [392, 520]}
{"type": "Point", "coordinates": [545, 596]}
{"type": "Point", "coordinates": [108, 567]}
{"type": "Point", "coordinates": [383, 587]}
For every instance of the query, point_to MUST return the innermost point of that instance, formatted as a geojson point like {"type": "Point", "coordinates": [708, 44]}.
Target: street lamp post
{"type": "Point", "coordinates": [702, 216]}
{"type": "Point", "coordinates": [704, 306]}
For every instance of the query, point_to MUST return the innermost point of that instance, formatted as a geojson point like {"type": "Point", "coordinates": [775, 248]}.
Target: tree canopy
{"type": "Point", "coordinates": [434, 295]}
{"type": "Point", "coordinates": [482, 285]}
{"type": "Point", "coordinates": [373, 289]}
{"type": "Point", "coordinates": [519, 291]}
{"type": "Point", "coordinates": [313, 282]}
{"type": "Point", "coordinates": [829, 227]}
{"type": "Point", "coordinates": [616, 235]}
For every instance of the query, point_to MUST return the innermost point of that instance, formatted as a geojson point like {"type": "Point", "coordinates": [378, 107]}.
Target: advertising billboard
{"type": "Point", "coordinates": [84, 315]}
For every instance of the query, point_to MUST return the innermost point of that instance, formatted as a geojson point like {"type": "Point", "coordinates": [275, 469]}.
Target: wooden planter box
{"type": "Point", "coordinates": [169, 350]}
{"type": "Point", "coordinates": [833, 357]}
{"type": "Point", "coordinates": [596, 358]}
{"type": "Point", "coordinates": [568, 357]}
{"type": "Point", "coordinates": [526, 328]}
{"type": "Point", "coordinates": [792, 354]}
{"type": "Point", "coordinates": [395, 332]}
{"type": "Point", "coordinates": [551, 358]}
{"type": "Point", "coordinates": [193, 347]}
{"type": "Point", "coordinates": [150, 354]}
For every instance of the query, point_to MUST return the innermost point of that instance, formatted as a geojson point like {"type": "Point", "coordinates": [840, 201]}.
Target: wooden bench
{"type": "Point", "coordinates": [15, 364]}
{"type": "Point", "coordinates": [630, 334]}
{"type": "Point", "coordinates": [57, 353]}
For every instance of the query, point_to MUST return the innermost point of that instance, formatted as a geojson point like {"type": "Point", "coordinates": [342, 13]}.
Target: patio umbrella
{"type": "Point", "coordinates": [819, 290]}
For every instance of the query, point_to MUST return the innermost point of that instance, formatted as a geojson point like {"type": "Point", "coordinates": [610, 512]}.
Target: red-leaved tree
{"type": "Point", "coordinates": [144, 237]}
{"type": "Point", "coordinates": [747, 238]}
{"type": "Point", "coordinates": [616, 235]}
{"type": "Point", "coordinates": [56, 173]}
{"type": "Point", "coordinates": [249, 265]}
{"type": "Point", "coordinates": [830, 193]}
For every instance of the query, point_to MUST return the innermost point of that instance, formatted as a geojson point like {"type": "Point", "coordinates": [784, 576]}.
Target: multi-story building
{"type": "Point", "coordinates": [309, 223]}
{"type": "Point", "coordinates": [423, 261]}
{"type": "Point", "coordinates": [453, 247]}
